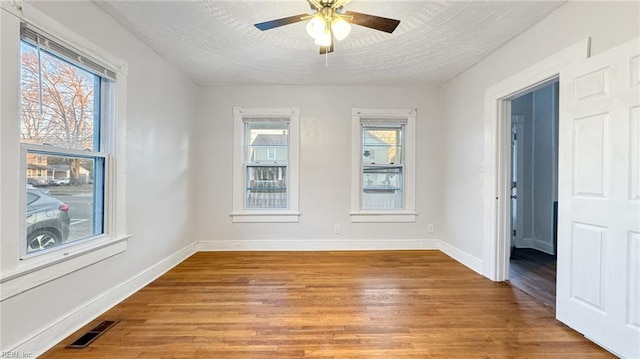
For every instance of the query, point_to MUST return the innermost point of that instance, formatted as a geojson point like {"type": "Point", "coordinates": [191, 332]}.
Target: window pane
{"type": "Point", "coordinates": [267, 142]}
{"type": "Point", "coordinates": [382, 187]}
{"type": "Point", "coordinates": [64, 199]}
{"type": "Point", "coordinates": [272, 153]}
{"type": "Point", "coordinates": [59, 102]}
{"type": "Point", "coordinates": [381, 145]}
{"type": "Point", "coordinates": [266, 187]}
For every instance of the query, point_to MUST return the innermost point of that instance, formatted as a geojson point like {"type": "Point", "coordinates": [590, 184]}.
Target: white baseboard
{"type": "Point", "coordinates": [461, 256]}
{"type": "Point", "coordinates": [49, 335]}
{"type": "Point", "coordinates": [318, 245]}
{"type": "Point", "coordinates": [537, 244]}
{"type": "Point", "coordinates": [43, 339]}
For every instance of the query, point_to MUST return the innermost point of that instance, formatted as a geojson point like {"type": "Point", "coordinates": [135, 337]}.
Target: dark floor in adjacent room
{"type": "Point", "coordinates": [534, 273]}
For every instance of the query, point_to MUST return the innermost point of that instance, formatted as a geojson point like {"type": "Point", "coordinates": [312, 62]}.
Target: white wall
{"type": "Point", "coordinates": [161, 103]}
{"type": "Point", "coordinates": [325, 167]}
{"type": "Point", "coordinates": [608, 23]}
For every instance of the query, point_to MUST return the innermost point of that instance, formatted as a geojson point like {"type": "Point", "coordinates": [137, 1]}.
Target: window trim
{"type": "Point", "coordinates": [408, 213]}
{"type": "Point", "coordinates": [20, 275]}
{"type": "Point", "coordinates": [241, 215]}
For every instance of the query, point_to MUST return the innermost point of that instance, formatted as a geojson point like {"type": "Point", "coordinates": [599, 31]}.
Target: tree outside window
{"type": "Point", "coordinates": [60, 132]}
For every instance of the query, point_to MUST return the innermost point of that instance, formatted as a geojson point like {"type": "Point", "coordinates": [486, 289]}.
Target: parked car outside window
{"type": "Point", "coordinates": [47, 220]}
{"type": "Point", "coordinates": [60, 181]}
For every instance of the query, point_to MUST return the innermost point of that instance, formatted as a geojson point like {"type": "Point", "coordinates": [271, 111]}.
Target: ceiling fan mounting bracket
{"type": "Point", "coordinates": [327, 3]}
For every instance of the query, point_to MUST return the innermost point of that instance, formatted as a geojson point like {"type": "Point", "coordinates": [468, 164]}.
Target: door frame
{"type": "Point", "coordinates": [517, 121]}
{"type": "Point", "coordinates": [497, 152]}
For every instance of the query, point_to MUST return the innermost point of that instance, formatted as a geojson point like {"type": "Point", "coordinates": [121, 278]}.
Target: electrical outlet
{"type": "Point", "coordinates": [430, 228]}
{"type": "Point", "coordinates": [336, 229]}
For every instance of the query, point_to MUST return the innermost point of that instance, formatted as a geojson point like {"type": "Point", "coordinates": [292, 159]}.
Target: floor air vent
{"type": "Point", "coordinates": [92, 335]}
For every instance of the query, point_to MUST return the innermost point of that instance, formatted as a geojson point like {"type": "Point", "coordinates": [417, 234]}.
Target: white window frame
{"type": "Point", "coordinates": [408, 212]}
{"type": "Point", "coordinates": [239, 213]}
{"type": "Point", "coordinates": [20, 273]}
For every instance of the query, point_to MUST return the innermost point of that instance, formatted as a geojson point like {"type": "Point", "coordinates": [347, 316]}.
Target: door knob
{"type": "Point", "coordinates": [514, 196]}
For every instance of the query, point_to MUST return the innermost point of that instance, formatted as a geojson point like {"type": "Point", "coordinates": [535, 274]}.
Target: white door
{"type": "Point", "coordinates": [517, 174]}
{"type": "Point", "coordinates": [598, 278]}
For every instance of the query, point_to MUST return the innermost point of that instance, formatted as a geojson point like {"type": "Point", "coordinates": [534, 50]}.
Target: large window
{"type": "Point", "coordinates": [64, 104]}
{"type": "Point", "coordinates": [63, 152]}
{"type": "Point", "coordinates": [266, 165]}
{"type": "Point", "coordinates": [383, 183]}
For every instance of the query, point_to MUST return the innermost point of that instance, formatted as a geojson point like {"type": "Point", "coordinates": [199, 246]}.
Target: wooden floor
{"type": "Point", "coordinates": [534, 272]}
{"type": "Point", "coordinates": [405, 304]}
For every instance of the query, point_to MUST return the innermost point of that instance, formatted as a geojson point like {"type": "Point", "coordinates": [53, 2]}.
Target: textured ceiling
{"type": "Point", "coordinates": [215, 43]}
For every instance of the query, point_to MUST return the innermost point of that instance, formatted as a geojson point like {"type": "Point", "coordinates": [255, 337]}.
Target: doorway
{"type": "Point", "coordinates": [597, 265]}
{"type": "Point", "coordinates": [496, 164]}
{"type": "Point", "coordinates": [534, 191]}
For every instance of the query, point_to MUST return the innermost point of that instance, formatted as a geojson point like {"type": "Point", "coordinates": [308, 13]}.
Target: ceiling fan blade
{"type": "Point", "coordinates": [326, 49]}
{"type": "Point", "coordinates": [267, 25]}
{"type": "Point", "coordinates": [373, 22]}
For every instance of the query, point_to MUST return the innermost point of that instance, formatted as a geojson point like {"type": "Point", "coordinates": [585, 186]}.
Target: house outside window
{"type": "Point", "coordinates": [265, 176]}
{"type": "Point", "coordinates": [383, 165]}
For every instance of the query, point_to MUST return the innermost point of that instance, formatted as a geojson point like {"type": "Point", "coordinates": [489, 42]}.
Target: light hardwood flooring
{"type": "Point", "coordinates": [399, 304]}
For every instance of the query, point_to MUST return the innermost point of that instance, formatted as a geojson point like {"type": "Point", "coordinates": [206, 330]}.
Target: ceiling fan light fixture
{"type": "Point", "coordinates": [328, 20]}
{"type": "Point", "coordinates": [341, 28]}
{"type": "Point", "coordinates": [316, 26]}
{"type": "Point", "coordinates": [324, 39]}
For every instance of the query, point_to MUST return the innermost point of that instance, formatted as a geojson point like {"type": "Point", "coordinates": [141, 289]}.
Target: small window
{"type": "Point", "coordinates": [383, 183]}
{"type": "Point", "coordinates": [265, 171]}
{"type": "Point", "coordinates": [266, 165]}
{"type": "Point", "coordinates": [272, 153]}
{"type": "Point", "coordinates": [382, 166]}
{"type": "Point", "coordinates": [31, 197]}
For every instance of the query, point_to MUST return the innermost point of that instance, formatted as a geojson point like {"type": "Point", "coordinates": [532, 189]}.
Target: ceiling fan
{"type": "Point", "coordinates": [329, 20]}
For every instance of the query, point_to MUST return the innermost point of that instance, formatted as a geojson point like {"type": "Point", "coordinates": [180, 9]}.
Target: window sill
{"type": "Point", "coordinates": [265, 217]}
{"type": "Point", "coordinates": [69, 260]}
{"type": "Point", "coordinates": [383, 217]}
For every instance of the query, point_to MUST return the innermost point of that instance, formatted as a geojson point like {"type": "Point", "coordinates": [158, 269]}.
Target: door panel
{"type": "Point", "coordinates": [633, 312]}
{"type": "Point", "coordinates": [598, 279]}
{"type": "Point", "coordinates": [634, 140]}
{"type": "Point", "coordinates": [592, 84]}
{"type": "Point", "coordinates": [586, 264]}
{"type": "Point", "coordinates": [590, 155]}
